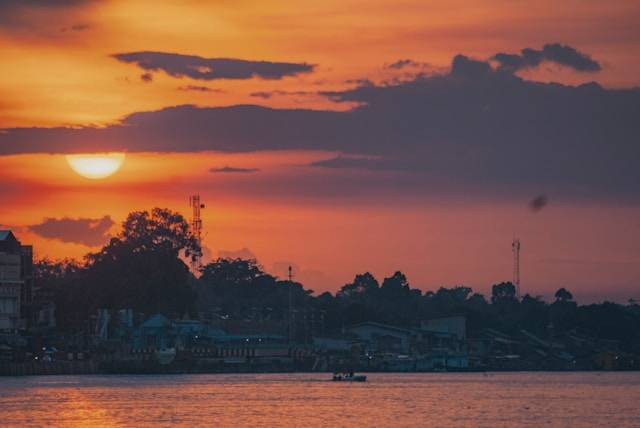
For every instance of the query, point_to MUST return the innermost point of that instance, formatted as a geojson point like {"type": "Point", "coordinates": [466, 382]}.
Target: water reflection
{"type": "Point", "coordinates": [507, 399]}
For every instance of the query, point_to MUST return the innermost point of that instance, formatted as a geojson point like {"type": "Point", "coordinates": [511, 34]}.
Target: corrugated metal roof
{"type": "Point", "coordinates": [4, 234]}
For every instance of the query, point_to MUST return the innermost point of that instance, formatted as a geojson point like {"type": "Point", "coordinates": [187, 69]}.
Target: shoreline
{"type": "Point", "coordinates": [64, 368]}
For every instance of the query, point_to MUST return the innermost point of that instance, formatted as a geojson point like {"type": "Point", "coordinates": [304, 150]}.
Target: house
{"type": "Point", "coordinates": [155, 333]}
{"type": "Point", "coordinates": [385, 338]}
{"type": "Point", "coordinates": [16, 281]}
{"type": "Point", "coordinates": [158, 332]}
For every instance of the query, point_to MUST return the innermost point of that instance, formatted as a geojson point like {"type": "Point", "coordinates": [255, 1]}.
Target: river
{"type": "Point", "coordinates": [308, 400]}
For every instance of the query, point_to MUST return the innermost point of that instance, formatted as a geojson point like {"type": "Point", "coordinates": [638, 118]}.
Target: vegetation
{"type": "Point", "coordinates": [144, 268]}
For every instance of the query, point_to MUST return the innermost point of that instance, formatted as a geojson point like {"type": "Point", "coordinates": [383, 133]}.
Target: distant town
{"type": "Point", "coordinates": [143, 303]}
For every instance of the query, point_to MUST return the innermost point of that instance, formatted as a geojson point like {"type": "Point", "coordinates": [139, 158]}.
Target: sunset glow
{"type": "Point", "coordinates": [338, 136]}
{"type": "Point", "coordinates": [96, 166]}
{"type": "Point", "coordinates": [240, 200]}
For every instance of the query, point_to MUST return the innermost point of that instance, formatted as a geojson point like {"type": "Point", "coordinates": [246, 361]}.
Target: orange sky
{"type": "Point", "coordinates": [54, 75]}
{"type": "Point", "coordinates": [57, 70]}
{"type": "Point", "coordinates": [436, 242]}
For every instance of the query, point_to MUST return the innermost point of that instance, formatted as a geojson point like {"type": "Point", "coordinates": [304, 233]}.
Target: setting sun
{"type": "Point", "coordinates": [96, 166]}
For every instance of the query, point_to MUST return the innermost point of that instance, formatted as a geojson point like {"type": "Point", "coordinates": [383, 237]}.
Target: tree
{"type": "Point", "coordinates": [62, 282]}
{"type": "Point", "coordinates": [395, 286]}
{"type": "Point", "coordinates": [503, 293]}
{"type": "Point", "coordinates": [533, 314]}
{"type": "Point", "coordinates": [397, 303]}
{"type": "Point", "coordinates": [562, 295]}
{"type": "Point", "coordinates": [141, 268]}
{"type": "Point", "coordinates": [563, 310]}
{"type": "Point", "coordinates": [241, 289]}
{"type": "Point", "coordinates": [363, 285]}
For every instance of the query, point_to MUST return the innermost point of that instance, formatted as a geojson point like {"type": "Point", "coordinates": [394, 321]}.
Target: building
{"type": "Point", "coordinates": [455, 325]}
{"type": "Point", "coordinates": [385, 338]}
{"type": "Point", "coordinates": [16, 281]}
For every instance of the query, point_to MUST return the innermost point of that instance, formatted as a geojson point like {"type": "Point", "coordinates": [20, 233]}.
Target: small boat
{"type": "Point", "coordinates": [338, 377]}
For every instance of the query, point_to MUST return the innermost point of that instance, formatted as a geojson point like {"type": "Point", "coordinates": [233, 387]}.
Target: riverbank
{"type": "Point", "coordinates": [91, 367]}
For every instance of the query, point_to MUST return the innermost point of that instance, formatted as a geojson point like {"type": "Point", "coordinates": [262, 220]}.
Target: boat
{"type": "Point", "coordinates": [339, 377]}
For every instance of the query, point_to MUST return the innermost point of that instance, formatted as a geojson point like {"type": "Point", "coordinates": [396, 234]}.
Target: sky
{"type": "Point", "coordinates": [337, 136]}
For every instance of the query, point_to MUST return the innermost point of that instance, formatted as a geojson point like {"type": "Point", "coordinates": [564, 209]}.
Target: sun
{"type": "Point", "coordinates": [96, 165]}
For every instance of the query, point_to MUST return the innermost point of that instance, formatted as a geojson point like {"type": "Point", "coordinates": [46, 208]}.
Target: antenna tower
{"type": "Point", "coordinates": [196, 228]}
{"type": "Point", "coordinates": [515, 246]}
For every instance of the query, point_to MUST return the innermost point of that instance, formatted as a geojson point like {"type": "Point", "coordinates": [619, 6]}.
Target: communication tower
{"type": "Point", "coordinates": [515, 246]}
{"type": "Point", "coordinates": [196, 228]}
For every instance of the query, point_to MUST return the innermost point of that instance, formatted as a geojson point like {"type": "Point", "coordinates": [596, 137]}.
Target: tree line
{"type": "Point", "coordinates": [145, 268]}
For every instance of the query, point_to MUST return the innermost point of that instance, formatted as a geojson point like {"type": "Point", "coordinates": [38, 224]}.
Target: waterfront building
{"type": "Point", "coordinates": [16, 282]}
{"type": "Point", "coordinates": [455, 325]}
{"type": "Point", "coordinates": [385, 338]}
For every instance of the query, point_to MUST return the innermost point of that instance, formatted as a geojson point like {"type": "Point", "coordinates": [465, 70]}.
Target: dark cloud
{"type": "Point", "coordinates": [262, 94]}
{"type": "Point", "coordinates": [553, 52]}
{"type": "Point", "coordinates": [232, 170]}
{"type": "Point", "coordinates": [352, 162]}
{"type": "Point", "coordinates": [196, 67]}
{"type": "Point", "coordinates": [41, 3]}
{"type": "Point", "coordinates": [402, 63]}
{"type": "Point", "coordinates": [268, 94]}
{"type": "Point", "coordinates": [473, 129]}
{"type": "Point", "coordinates": [76, 27]}
{"type": "Point", "coordinates": [406, 63]}
{"type": "Point", "coordinates": [360, 82]}
{"type": "Point", "coordinates": [86, 231]}
{"type": "Point", "coordinates": [146, 77]}
{"type": "Point", "coordinates": [538, 203]}
{"type": "Point", "coordinates": [80, 27]}
{"type": "Point", "coordinates": [199, 88]}
{"type": "Point", "coordinates": [16, 13]}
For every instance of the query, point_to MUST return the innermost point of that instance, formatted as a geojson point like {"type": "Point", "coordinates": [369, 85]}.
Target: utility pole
{"type": "Point", "coordinates": [515, 247]}
{"type": "Point", "coordinates": [291, 336]}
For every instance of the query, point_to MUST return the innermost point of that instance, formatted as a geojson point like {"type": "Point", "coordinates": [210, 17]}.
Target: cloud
{"type": "Point", "coordinates": [355, 162]}
{"type": "Point", "coordinates": [243, 253]}
{"type": "Point", "coordinates": [261, 94]}
{"type": "Point", "coordinates": [406, 63]}
{"type": "Point", "coordinates": [86, 231]}
{"type": "Point", "coordinates": [402, 63]}
{"type": "Point", "coordinates": [146, 77]}
{"type": "Point", "coordinates": [538, 203]}
{"type": "Point", "coordinates": [76, 28]}
{"type": "Point", "coordinates": [199, 88]}
{"type": "Point", "coordinates": [231, 169]}
{"type": "Point", "coordinates": [199, 68]}
{"type": "Point", "coordinates": [553, 52]}
{"type": "Point", "coordinates": [16, 13]}
{"type": "Point", "coordinates": [471, 130]}
{"type": "Point", "coordinates": [268, 94]}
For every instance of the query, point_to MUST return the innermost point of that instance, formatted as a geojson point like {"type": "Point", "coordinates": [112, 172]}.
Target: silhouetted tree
{"type": "Point", "coordinates": [502, 293]}
{"type": "Point", "coordinates": [240, 288]}
{"type": "Point", "coordinates": [62, 283]}
{"type": "Point", "coordinates": [363, 286]}
{"type": "Point", "coordinates": [562, 295]}
{"type": "Point", "coordinates": [141, 268]}
{"type": "Point", "coordinates": [144, 268]}
{"type": "Point", "coordinates": [563, 310]}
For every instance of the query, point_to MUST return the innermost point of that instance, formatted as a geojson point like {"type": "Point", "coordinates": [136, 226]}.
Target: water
{"type": "Point", "coordinates": [307, 400]}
